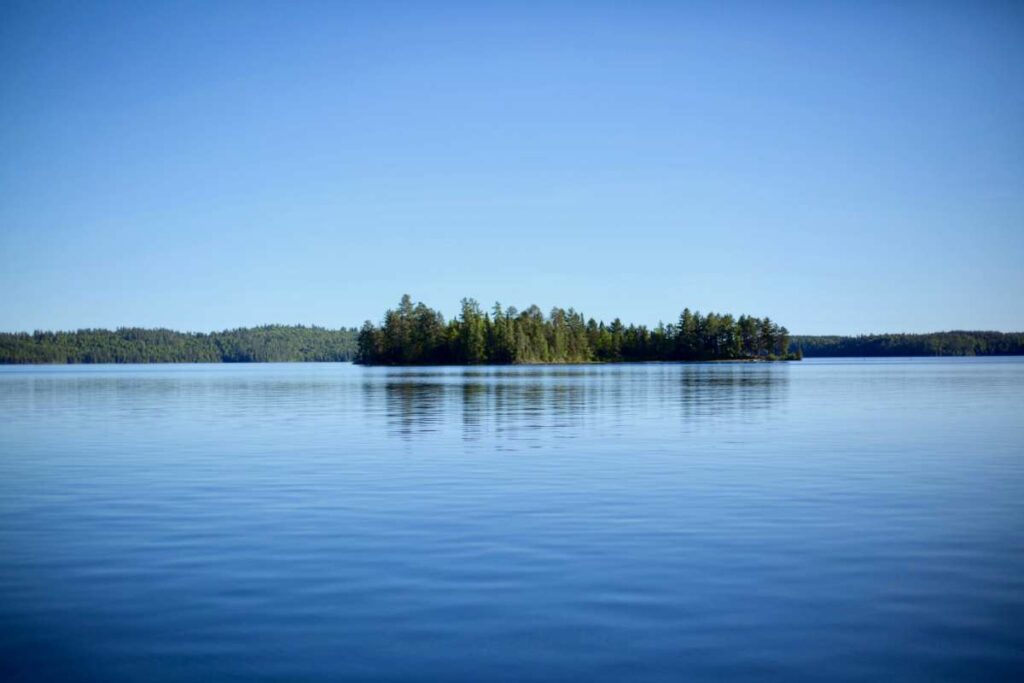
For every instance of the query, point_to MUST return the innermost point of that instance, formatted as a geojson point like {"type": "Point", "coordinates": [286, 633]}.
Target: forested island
{"type": "Point", "coordinates": [419, 335]}
{"type": "Point", "coordinates": [270, 343]}
{"type": "Point", "coordinates": [956, 343]}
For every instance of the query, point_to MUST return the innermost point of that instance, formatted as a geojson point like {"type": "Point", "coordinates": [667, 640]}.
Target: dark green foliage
{"type": "Point", "coordinates": [418, 335]}
{"type": "Point", "coordinates": [271, 343]}
{"type": "Point", "coordinates": [934, 344]}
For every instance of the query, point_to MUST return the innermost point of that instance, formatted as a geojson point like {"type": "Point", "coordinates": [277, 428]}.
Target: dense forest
{"type": "Point", "coordinates": [933, 344]}
{"type": "Point", "coordinates": [419, 335]}
{"type": "Point", "coordinates": [416, 334]}
{"type": "Point", "coordinates": [271, 343]}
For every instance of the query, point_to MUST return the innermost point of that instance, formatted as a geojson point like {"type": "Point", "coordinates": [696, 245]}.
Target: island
{"type": "Point", "coordinates": [419, 335]}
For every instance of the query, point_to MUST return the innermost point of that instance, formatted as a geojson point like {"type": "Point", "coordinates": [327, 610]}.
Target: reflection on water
{"type": "Point", "coordinates": [536, 403]}
{"type": "Point", "coordinates": [858, 520]}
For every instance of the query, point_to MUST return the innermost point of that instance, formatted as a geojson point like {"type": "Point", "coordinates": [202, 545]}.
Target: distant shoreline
{"type": "Point", "coordinates": [297, 343]}
{"type": "Point", "coordinates": [738, 361]}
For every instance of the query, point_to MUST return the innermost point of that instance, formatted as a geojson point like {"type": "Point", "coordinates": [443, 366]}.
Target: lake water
{"type": "Point", "coordinates": [841, 520]}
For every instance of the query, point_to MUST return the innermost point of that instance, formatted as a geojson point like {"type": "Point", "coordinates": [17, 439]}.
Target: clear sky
{"type": "Point", "coordinates": [841, 167]}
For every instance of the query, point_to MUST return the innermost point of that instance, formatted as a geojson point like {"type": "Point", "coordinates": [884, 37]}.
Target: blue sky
{"type": "Point", "coordinates": [840, 167]}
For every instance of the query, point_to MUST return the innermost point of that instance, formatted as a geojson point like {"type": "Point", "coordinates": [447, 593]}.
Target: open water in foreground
{"type": "Point", "coordinates": [831, 519]}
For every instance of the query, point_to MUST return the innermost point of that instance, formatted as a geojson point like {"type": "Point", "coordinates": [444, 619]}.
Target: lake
{"type": "Point", "coordinates": [831, 519]}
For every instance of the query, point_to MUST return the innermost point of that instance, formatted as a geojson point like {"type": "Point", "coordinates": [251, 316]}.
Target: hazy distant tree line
{"type": "Point", "coordinates": [419, 335]}
{"type": "Point", "coordinates": [271, 343]}
{"type": "Point", "coordinates": [416, 334]}
{"type": "Point", "coordinates": [933, 344]}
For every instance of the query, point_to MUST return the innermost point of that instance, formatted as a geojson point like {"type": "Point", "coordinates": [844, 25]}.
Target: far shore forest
{"type": "Point", "coordinates": [418, 335]}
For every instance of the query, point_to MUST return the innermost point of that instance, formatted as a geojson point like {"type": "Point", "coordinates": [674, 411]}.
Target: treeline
{"type": "Point", "coordinates": [270, 343]}
{"type": "Point", "coordinates": [419, 335]}
{"type": "Point", "coordinates": [956, 343]}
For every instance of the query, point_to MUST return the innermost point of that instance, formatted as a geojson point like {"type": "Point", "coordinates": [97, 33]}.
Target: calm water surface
{"type": "Point", "coordinates": [848, 520]}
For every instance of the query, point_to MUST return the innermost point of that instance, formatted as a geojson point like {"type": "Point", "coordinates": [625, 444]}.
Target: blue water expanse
{"type": "Point", "coordinates": [841, 520]}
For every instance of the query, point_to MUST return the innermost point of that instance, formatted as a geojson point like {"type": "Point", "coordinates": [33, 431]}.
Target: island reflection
{"type": "Point", "coordinates": [534, 403]}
